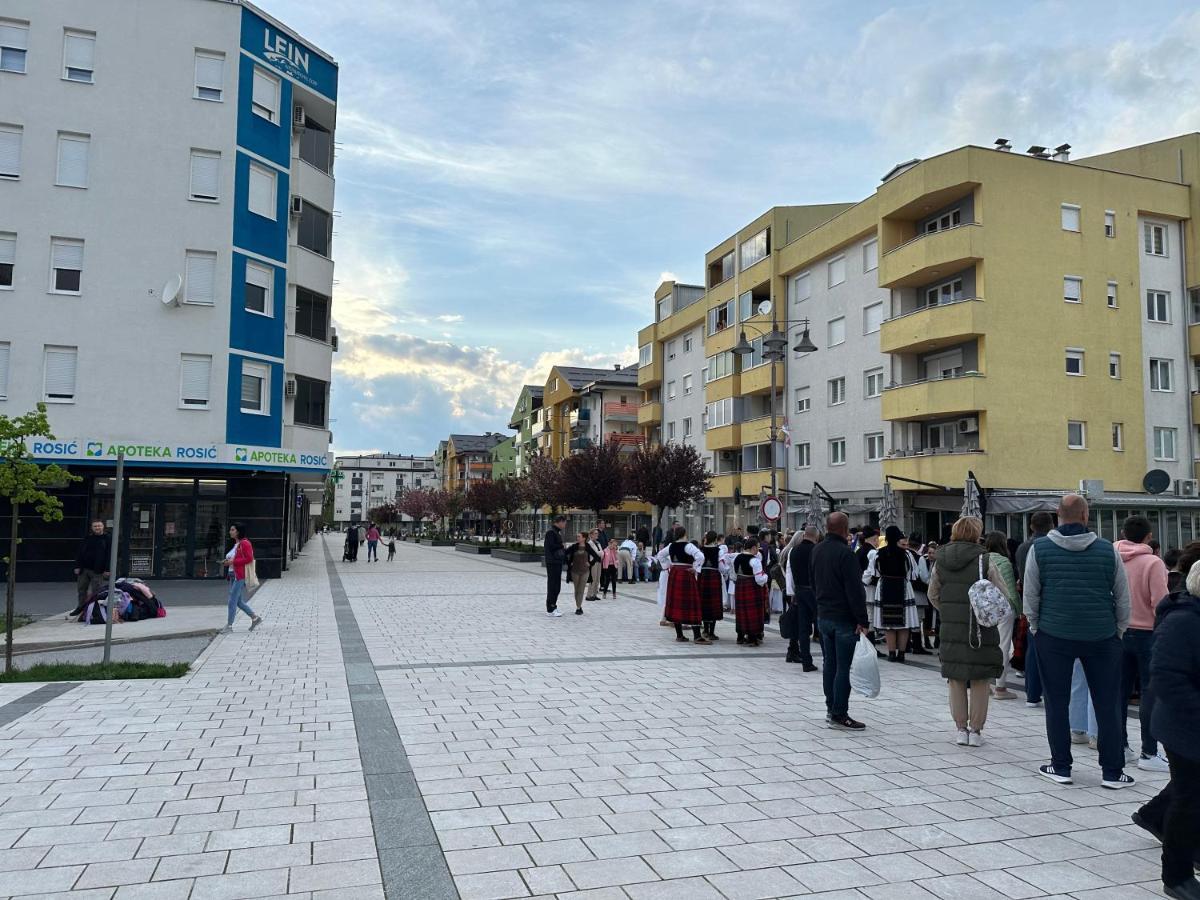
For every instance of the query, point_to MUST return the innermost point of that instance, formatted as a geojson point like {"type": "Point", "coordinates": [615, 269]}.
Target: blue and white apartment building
{"type": "Point", "coordinates": [166, 209]}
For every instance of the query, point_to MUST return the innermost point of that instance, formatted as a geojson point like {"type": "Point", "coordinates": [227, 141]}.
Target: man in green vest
{"type": "Point", "coordinates": [1077, 603]}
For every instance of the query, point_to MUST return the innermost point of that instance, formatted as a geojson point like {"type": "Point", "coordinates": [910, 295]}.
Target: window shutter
{"type": "Point", "coordinates": [206, 174]}
{"type": "Point", "coordinates": [66, 254]}
{"type": "Point", "coordinates": [201, 278]}
{"type": "Point", "coordinates": [72, 160]}
{"type": "Point", "coordinates": [79, 51]}
{"type": "Point", "coordinates": [262, 191]}
{"type": "Point", "coordinates": [10, 151]}
{"type": "Point", "coordinates": [266, 91]}
{"type": "Point", "coordinates": [8, 249]}
{"type": "Point", "coordinates": [4, 355]}
{"type": "Point", "coordinates": [210, 71]}
{"type": "Point", "coordinates": [194, 375]}
{"type": "Point", "coordinates": [14, 36]}
{"type": "Point", "coordinates": [60, 372]}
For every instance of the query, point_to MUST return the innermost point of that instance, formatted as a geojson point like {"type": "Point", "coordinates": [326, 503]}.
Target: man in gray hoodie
{"type": "Point", "coordinates": [1077, 603]}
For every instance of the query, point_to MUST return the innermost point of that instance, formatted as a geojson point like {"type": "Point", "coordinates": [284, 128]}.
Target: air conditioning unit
{"type": "Point", "coordinates": [297, 205]}
{"type": "Point", "coordinates": [289, 387]}
{"type": "Point", "coordinates": [333, 339]}
{"type": "Point", "coordinates": [1186, 487]}
{"type": "Point", "coordinates": [299, 120]}
{"type": "Point", "coordinates": [726, 454]}
{"type": "Point", "coordinates": [969, 425]}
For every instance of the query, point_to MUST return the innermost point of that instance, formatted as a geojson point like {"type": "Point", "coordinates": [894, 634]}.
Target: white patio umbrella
{"type": "Point", "coordinates": [888, 513]}
{"type": "Point", "coordinates": [971, 503]}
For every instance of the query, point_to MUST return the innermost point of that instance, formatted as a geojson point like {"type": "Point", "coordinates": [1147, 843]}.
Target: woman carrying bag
{"type": "Point", "coordinates": [240, 561]}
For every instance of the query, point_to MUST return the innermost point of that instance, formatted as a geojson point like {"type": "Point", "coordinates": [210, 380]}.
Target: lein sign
{"type": "Point", "coordinates": [273, 47]}
{"type": "Point", "coordinates": [284, 53]}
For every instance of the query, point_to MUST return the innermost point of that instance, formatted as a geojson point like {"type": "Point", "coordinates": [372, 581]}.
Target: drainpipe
{"type": "Point", "coordinates": [1187, 350]}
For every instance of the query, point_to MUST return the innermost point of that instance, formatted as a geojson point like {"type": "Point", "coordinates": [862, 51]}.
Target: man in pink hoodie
{"type": "Point", "coordinates": [1147, 576]}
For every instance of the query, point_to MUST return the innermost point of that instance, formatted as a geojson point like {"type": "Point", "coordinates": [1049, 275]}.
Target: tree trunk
{"type": "Point", "coordinates": [11, 590]}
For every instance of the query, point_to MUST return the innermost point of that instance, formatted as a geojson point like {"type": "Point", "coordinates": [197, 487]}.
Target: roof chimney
{"type": "Point", "coordinates": [616, 367]}
{"type": "Point", "coordinates": [1004, 145]}
{"type": "Point", "coordinates": [1062, 153]}
{"type": "Point", "coordinates": [1038, 152]}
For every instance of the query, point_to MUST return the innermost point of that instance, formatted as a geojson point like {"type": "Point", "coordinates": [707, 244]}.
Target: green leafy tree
{"type": "Point", "coordinates": [24, 482]}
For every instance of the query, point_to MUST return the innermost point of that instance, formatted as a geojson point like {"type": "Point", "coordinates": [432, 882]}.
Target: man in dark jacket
{"type": "Point", "coordinates": [841, 616]}
{"type": "Point", "coordinates": [1040, 524]}
{"type": "Point", "coordinates": [800, 565]}
{"type": "Point", "coordinates": [555, 555]}
{"type": "Point", "coordinates": [91, 563]}
{"type": "Point", "coordinates": [1174, 815]}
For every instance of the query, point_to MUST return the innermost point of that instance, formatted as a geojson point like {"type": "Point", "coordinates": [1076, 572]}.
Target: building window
{"type": "Point", "coordinates": [264, 99]}
{"type": "Point", "coordinates": [5, 353]}
{"type": "Point", "coordinates": [1112, 295]}
{"type": "Point", "coordinates": [79, 54]}
{"type": "Point", "coordinates": [837, 270]}
{"type": "Point", "coordinates": [309, 408]}
{"type": "Point", "coordinates": [262, 198]}
{"type": "Point", "coordinates": [1072, 289]}
{"type": "Point", "coordinates": [315, 229]}
{"type": "Point", "coordinates": [1194, 306]}
{"type": "Point", "coordinates": [1076, 435]}
{"type": "Point", "coordinates": [312, 314]}
{"type": "Point", "coordinates": [1164, 444]}
{"type": "Point", "coordinates": [72, 168]}
{"type": "Point", "coordinates": [670, 431]}
{"type": "Point", "coordinates": [1074, 362]}
{"type": "Point", "coordinates": [210, 75]}
{"type": "Point", "coordinates": [1160, 375]}
{"type": "Point", "coordinates": [950, 219]}
{"type": "Point", "coordinates": [205, 178]}
{"type": "Point", "coordinates": [687, 428]}
{"type": "Point", "coordinates": [1154, 239]}
{"type": "Point", "coordinates": [670, 390]}
{"type": "Point", "coordinates": [256, 380]}
{"type": "Point", "coordinates": [803, 400]}
{"type": "Point", "coordinates": [8, 258]}
{"type": "Point", "coordinates": [260, 280]}
{"type": "Point", "coordinates": [837, 391]}
{"type": "Point", "coordinates": [1110, 223]}
{"type": "Point", "coordinates": [873, 447]}
{"type": "Point", "coordinates": [1118, 436]}
{"type": "Point", "coordinates": [720, 317]}
{"type": "Point", "coordinates": [58, 375]}
{"type": "Point", "coordinates": [800, 287]}
{"type": "Point", "coordinates": [687, 345]}
{"type": "Point", "coordinates": [837, 452]}
{"type": "Point", "coordinates": [939, 294]}
{"type": "Point", "coordinates": [720, 412]}
{"type": "Point", "coordinates": [803, 455]}
{"type": "Point", "coordinates": [1158, 306]}
{"type": "Point", "coordinates": [872, 318]}
{"type": "Point", "coordinates": [755, 249]}
{"type": "Point", "coordinates": [719, 366]}
{"type": "Point", "coordinates": [316, 145]}
{"type": "Point", "coordinates": [687, 385]}
{"type": "Point", "coordinates": [870, 256]}
{"type": "Point", "coordinates": [200, 278]}
{"type": "Point", "coordinates": [1114, 365]}
{"type": "Point", "coordinates": [66, 265]}
{"type": "Point", "coordinates": [837, 331]}
{"type": "Point", "coordinates": [195, 373]}
{"type": "Point", "coordinates": [720, 270]}
{"type": "Point", "coordinates": [10, 151]}
{"type": "Point", "coordinates": [1070, 217]}
{"type": "Point", "coordinates": [670, 350]}
{"type": "Point", "coordinates": [872, 383]}
{"type": "Point", "coordinates": [14, 40]}
{"type": "Point", "coordinates": [645, 355]}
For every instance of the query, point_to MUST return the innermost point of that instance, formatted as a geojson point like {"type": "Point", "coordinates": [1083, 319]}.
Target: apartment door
{"type": "Point", "coordinates": [158, 539]}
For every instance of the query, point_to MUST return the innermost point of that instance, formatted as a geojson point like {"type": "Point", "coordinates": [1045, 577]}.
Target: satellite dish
{"type": "Point", "coordinates": [1156, 481]}
{"type": "Point", "coordinates": [764, 308]}
{"type": "Point", "coordinates": [170, 290]}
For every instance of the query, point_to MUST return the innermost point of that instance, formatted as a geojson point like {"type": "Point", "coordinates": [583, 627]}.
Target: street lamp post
{"type": "Point", "coordinates": [774, 350]}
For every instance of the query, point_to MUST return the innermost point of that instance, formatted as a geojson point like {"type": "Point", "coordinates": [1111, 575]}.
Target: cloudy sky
{"type": "Point", "coordinates": [515, 177]}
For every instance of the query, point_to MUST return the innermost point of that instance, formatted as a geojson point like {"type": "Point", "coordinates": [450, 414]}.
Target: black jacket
{"type": "Point", "coordinates": [552, 546]}
{"type": "Point", "coordinates": [94, 553]}
{"type": "Point", "coordinates": [1175, 675]}
{"type": "Point", "coordinates": [837, 581]}
{"type": "Point", "coordinates": [800, 562]}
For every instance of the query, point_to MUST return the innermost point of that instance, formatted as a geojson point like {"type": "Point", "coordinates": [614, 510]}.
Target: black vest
{"type": "Point", "coordinates": [741, 564]}
{"type": "Point", "coordinates": [712, 556]}
{"type": "Point", "coordinates": [678, 552]}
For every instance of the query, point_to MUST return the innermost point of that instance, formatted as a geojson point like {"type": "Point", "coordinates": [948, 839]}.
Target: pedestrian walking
{"type": "Point", "coordinates": [596, 556]}
{"type": "Point", "coordinates": [554, 555]}
{"type": "Point", "coordinates": [799, 566]}
{"type": "Point", "coordinates": [996, 544]}
{"type": "Point", "coordinates": [608, 568]}
{"type": "Point", "coordinates": [373, 543]}
{"type": "Point", "coordinates": [841, 616]}
{"type": "Point", "coordinates": [91, 564]}
{"type": "Point", "coordinates": [890, 570]}
{"type": "Point", "coordinates": [682, 561]}
{"type": "Point", "coordinates": [1040, 524]}
{"type": "Point", "coordinates": [1077, 603]}
{"type": "Point", "coordinates": [241, 556]}
{"type": "Point", "coordinates": [579, 568]}
{"type": "Point", "coordinates": [749, 586]}
{"type": "Point", "coordinates": [711, 586]}
{"type": "Point", "coordinates": [1147, 576]}
{"type": "Point", "coordinates": [626, 553]}
{"type": "Point", "coordinates": [970, 654]}
{"type": "Point", "coordinates": [352, 543]}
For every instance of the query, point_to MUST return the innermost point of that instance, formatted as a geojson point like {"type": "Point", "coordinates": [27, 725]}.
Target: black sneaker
{"type": "Point", "coordinates": [1048, 772]}
{"type": "Point", "coordinates": [809, 667]}
{"type": "Point", "coordinates": [845, 723]}
{"type": "Point", "coordinates": [579, 612]}
{"type": "Point", "coordinates": [1188, 890]}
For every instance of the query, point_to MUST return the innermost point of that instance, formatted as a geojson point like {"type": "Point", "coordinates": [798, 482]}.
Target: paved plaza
{"type": "Point", "coordinates": [421, 730]}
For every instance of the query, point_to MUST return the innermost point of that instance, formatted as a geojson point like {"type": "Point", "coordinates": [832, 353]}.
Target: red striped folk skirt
{"type": "Point", "coordinates": [683, 596]}
{"type": "Point", "coordinates": [750, 606]}
{"type": "Point", "coordinates": [711, 590]}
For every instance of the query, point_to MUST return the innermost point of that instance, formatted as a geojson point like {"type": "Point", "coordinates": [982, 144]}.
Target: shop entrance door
{"type": "Point", "coordinates": [159, 539]}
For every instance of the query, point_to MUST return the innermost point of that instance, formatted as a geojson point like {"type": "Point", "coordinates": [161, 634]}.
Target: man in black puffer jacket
{"type": "Point", "coordinates": [91, 564]}
{"type": "Point", "coordinates": [1174, 815]}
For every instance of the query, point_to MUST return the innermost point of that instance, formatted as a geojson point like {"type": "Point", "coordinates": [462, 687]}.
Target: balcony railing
{"type": "Point", "coordinates": [928, 234]}
{"type": "Point", "coordinates": [897, 385]}
{"type": "Point", "coordinates": [625, 440]}
{"type": "Point", "coordinates": [921, 309]}
{"type": "Point", "coordinates": [901, 453]}
{"type": "Point", "coordinates": [614, 410]}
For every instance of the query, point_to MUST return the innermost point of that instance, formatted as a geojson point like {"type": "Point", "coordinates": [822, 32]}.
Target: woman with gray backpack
{"type": "Point", "coordinates": [968, 591]}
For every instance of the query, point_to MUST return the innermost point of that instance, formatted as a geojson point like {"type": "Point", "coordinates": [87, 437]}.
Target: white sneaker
{"type": "Point", "coordinates": [1079, 737]}
{"type": "Point", "coordinates": [1153, 764]}
{"type": "Point", "coordinates": [1033, 704]}
{"type": "Point", "coordinates": [975, 739]}
{"type": "Point", "coordinates": [963, 738]}
{"type": "Point", "coordinates": [1131, 755]}
{"type": "Point", "coordinates": [555, 614]}
{"type": "Point", "coordinates": [1115, 784]}
{"type": "Point", "coordinates": [228, 629]}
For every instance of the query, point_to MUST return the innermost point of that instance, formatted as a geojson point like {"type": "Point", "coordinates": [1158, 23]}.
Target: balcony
{"type": "Point", "coordinates": [724, 437]}
{"type": "Point", "coordinates": [1194, 339]}
{"type": "Point", "coordinates": [537, 429]}
{"type": "Point", "coordinates": [625, 441]}
{"type": "Point", "coordinates": [651, 375]}
{"type": "Point", "coordinates": [624, 412]}
{"type": "Point", "coordinates": [946, 467]}
{"type": "Point", "coordinates": [1196, 408]}
{"type": "Point", "coordinates": [937, 398]}
{"type": "Point", "coordinates": [580, 444]}
{"type": "Point", "coordinates": [649, 413]}
{"type": "Point", "coordinates": [758, 379]}
{"type": "Point", "coordinates": [311, 183]}
{"type": "Point", "coordinates": [932, 327]}
{"type": "Point", "coordinates": [579, 417]}
{"type": "Point", "coordinates": [920, 260]}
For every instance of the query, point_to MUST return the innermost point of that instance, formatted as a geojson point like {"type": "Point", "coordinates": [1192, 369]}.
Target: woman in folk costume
{"type": "Point", "coordinates": [891, 569]}
{"type": "Point", "coordinates": [749, 589]}
{"type": "Point", "coordinates": [682, 561]}
{"type": "Point", "coordinates": [712, 585]}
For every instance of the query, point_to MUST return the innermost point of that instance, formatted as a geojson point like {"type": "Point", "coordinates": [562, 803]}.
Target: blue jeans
{"type": "Point", "coordinates": [237, 599]}
{"type": "Point", "coordinates": [838, 639]}
{"type": "Point", "coordinates": [1101, 664]}
{"type": "Point", "coordinates": [373, 551]}
{"type": "Point", "coordinates": [1135, 658]}
{"type": "Point", "coordinates": [1082, 712]}
{"type": "Point", "coordinates": [1033, 676]}
{"type": "Point", "coordinates": [642, 570]}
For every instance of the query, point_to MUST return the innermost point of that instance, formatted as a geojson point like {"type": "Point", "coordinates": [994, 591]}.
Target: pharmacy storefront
{"type": "Point", "coordinates": [178, 502]}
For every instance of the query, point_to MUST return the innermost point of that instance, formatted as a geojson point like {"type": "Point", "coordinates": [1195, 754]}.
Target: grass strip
{"type": "Point", "coordinates": [115, 671]}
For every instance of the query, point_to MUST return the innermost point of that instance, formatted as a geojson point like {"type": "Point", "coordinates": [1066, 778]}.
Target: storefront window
{"type": "Point", "coordinates": [1186, 532]}
{"type": "Point", "coordinates": [1170, 535]}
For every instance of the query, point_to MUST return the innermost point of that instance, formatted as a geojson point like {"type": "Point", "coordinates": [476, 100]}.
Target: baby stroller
{"type": "Point", "coordinates": [346, 557]}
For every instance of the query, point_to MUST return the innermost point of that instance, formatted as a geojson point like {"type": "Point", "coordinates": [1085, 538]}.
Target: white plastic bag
{"type": "Point", "coordinates": [864, 669]}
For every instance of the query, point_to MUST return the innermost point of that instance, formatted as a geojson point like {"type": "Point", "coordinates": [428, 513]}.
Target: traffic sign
{"type": "Point", "coordinates": [771, 509]}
